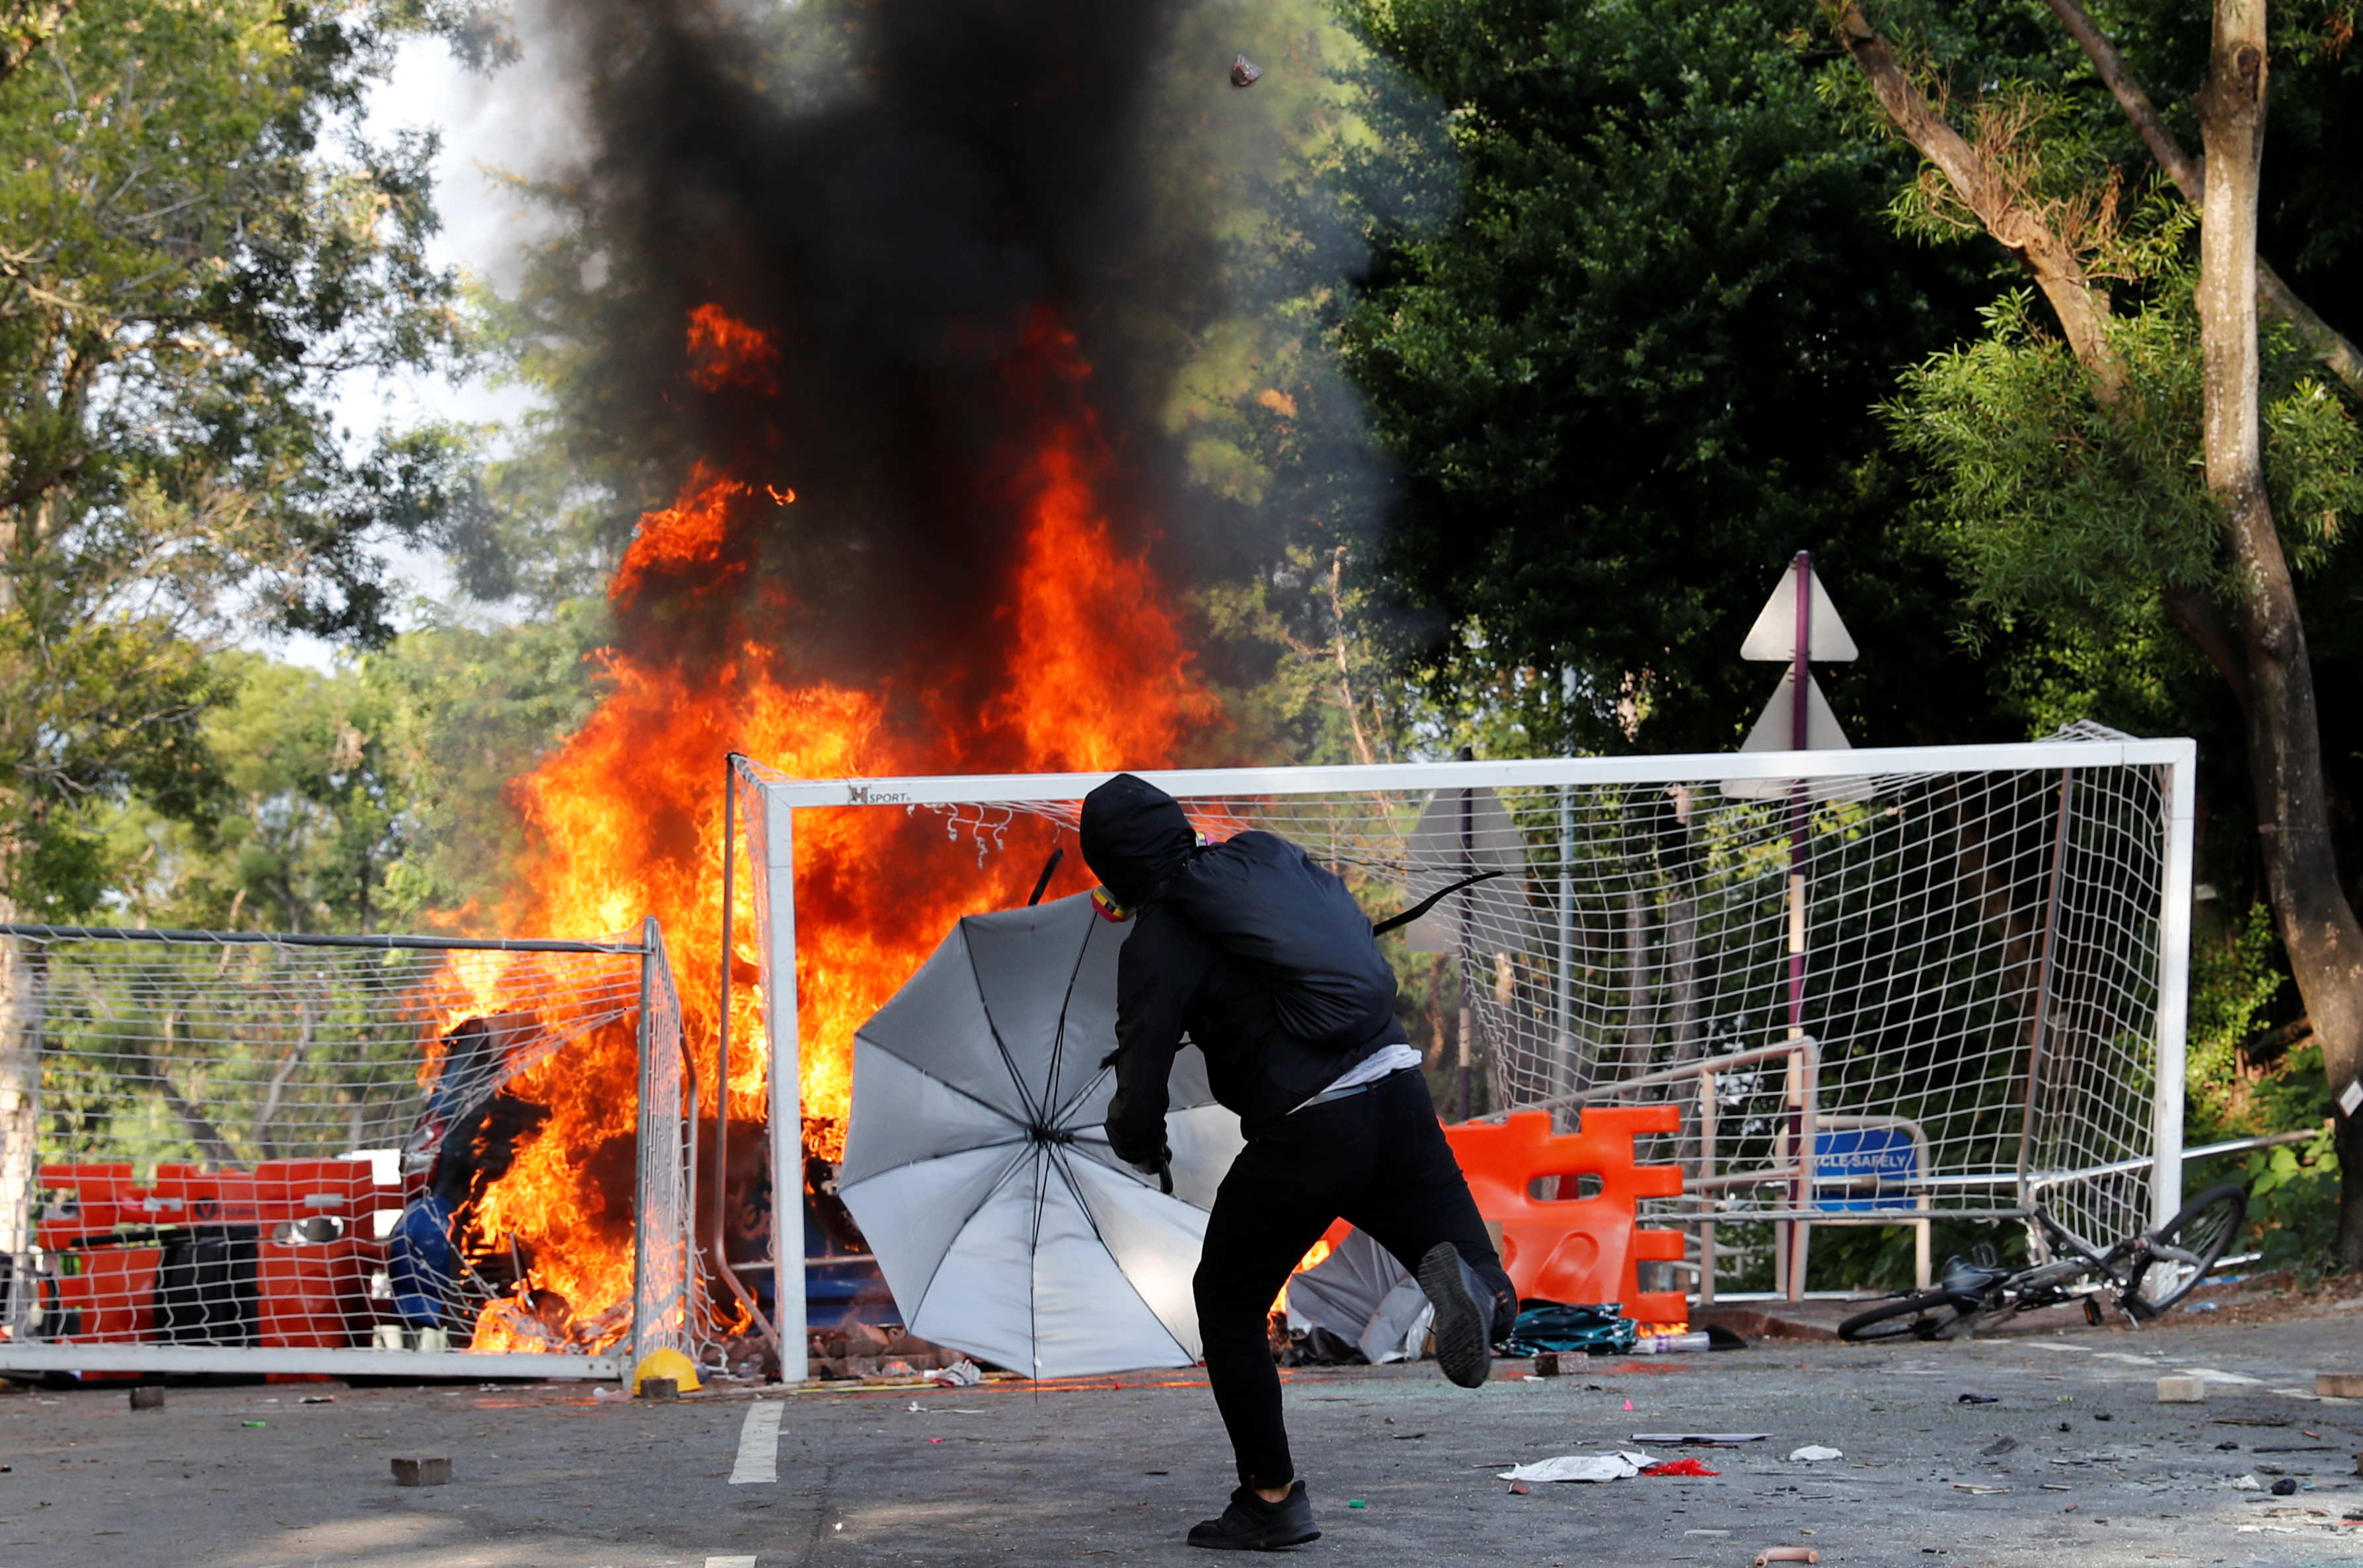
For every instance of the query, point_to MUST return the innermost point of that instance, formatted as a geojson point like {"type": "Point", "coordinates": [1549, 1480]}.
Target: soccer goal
{"type": "Point", "coordinates": [1882, 986]}
{"type": "Point", "coordinates": [233, 1153]}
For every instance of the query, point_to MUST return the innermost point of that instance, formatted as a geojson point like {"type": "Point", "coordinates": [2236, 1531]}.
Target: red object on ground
{"type": "Point", "coordinates": [1564, 1246]}
{"type": "Point", "coordinates": [306, 1294]}
{"type": "Point", "coordinates": [1680, 1467]}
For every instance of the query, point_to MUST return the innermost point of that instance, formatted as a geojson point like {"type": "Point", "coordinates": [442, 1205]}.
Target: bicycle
{"type": "Point", "coordinates": [2149, 1274]}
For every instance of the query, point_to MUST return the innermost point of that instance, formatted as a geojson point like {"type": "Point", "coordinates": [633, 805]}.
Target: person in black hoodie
{"type": "Point", "coordinates": [1263, 961]}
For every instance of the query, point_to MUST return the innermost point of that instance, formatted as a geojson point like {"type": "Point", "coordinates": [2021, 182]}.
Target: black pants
{"type": "Point", "coordinates": [1380, 1160]}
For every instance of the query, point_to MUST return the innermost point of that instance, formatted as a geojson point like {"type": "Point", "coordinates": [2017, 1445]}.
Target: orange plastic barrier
{"type": "Point", "coordinates": [1575, 1249]}
{"type": "Point", "coordinates": [275, 1192]}
{"type": "Point", "coordinates": [304, 1293]}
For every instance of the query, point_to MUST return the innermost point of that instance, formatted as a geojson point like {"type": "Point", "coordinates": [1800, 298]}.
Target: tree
{"type": "Point", "coordinates": [2205, 552]}
{"type": "Point", "coordinates": [1620, 384]}
{"type": "Point", "coordinates": [185, 263]}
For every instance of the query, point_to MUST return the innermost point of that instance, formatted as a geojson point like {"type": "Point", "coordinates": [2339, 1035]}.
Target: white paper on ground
{"type": "Point", "coordinates": [1619, 1466]}
{"type": "Point", "coordinates": [1813, 1453]}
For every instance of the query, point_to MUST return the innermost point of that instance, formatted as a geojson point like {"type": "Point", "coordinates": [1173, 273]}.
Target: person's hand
{"type": "Point", "coordinates": [1156, 1164]}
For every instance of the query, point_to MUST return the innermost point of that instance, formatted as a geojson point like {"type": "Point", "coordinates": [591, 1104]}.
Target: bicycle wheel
{"type": "Point", "coordinates": [1920, 1315]}
{"type": "Point", "coordinates": [2185, 1248]}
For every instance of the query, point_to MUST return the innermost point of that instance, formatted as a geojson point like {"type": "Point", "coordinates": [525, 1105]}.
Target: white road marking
{"type": "Point", "coordinates": [729, 1563]}
{"type": "Point", "coordinates": [2211, 1375]}
{"type": "Point", "coordinates": [758, 1450]}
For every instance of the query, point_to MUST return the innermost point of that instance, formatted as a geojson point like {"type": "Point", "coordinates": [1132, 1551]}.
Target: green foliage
{"type": "Point", "coordinates": [1625, 381]}
{"type": "Point", "coordinates": [2293, 1201]}
{"type": "Point", "coordinates": [2076, 515]}
{"type": "Point", "coordinates": [366, 799]}
{"type": "Point", "coordinates": [471, 709]}
{"type": "Point", "coordinates": [186, 261]}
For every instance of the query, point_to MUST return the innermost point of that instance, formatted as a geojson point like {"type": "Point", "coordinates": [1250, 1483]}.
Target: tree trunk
{"type": "Point", "coordinates": [2284, 734]}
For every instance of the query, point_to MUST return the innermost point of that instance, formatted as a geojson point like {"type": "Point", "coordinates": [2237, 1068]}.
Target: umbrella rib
{"type": "Point", "coordinates": [1059, 1041]}
{"type": "Point", "coordinates": [1058, 1164]}
{"type": "Point", "coordinates": [1080, 1095]}
{"type": "Point", "coordinates": [1049, 1153]}
{"type": "Point", "coordinates": [922, 1069]}
{"type": "Point", "coordinates": [966, 1220]}
{"type": "Point", "coordinates": [1008, 1062]}
{"type": "Point", "coordinates": [1020, 1137]}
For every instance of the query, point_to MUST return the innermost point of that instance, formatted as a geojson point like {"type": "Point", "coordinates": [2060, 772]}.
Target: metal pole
{"type": "Point", "coordinates": [641, 1326]}
{"type": "Point", "coordinates": [1467, 1008]}
{"type": "Point", "coordinates": [2173, 979]}
{"type": "Point", "coordinates": [779, 1001]}
{"type": "Point", "coordinates": [1566, 998]}
{"type": "Point", "coordinates": [2043, 982]}
{"type": "Point", "coordinates": [721, 1035]}
{"type": "Point", "coordinates": [1706, 1170]}
{"type": "Point", "coordinates": [1789, 1240]}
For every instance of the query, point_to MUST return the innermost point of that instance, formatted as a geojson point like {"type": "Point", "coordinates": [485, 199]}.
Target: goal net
{"type": "Point", "coordinates": [1960, 968]}
{"type": "Point", "coordinates": [232, 1153]}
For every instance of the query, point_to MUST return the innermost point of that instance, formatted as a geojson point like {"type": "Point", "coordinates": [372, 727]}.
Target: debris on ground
{"type": "Point", "coordinates": [1701, 1439]}
{"type": "Point", "coordinates": [1597, 1329]}
{"type": "Point", "coordinates": [1813, 1453]}
{"type": "Point", "coordinates": [2245, 1484]}
{"type": "Point", "coordinates": [2285, 1487]}
{"type": "Point", "coordinates": [962, 1373]}
{"type": "Point", "coordinates": [1245, 73]}
{"type": "Point", "coordinates": [422, 1472]}
{"type": "Point", "coordinates": [1978, 1399]}
{"type": "Point", "coordinates": [1619, 1466]}
{"type": "Point", "coordinates": [1999, 1446]}
{"type": "Point", "coordinates": [1679, 1467]}
{"type": "Point", "coordinates": [2182, 1390]}
{"type": "Point", "coordinates": [1787, 1554]}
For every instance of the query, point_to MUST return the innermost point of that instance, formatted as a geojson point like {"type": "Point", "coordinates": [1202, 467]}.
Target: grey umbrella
{"type": "Point", "coordinates": [976, 1165]}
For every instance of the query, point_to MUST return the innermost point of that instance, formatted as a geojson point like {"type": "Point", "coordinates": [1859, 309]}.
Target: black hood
{"type": "Point", "coordinates": [1135, 836]}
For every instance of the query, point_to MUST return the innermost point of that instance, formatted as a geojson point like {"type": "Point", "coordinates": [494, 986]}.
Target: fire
{"type": "Point", "coordinates": [725, 352]}
{"type": "Point", "coordinates": [1094, 674]}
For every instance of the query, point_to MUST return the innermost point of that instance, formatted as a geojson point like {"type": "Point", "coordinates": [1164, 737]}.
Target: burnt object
{"type": "Point", "coordinates": [1245, 73]}
{"type": "Point", "coordinates": [150, 1396]}
{"type": "Point", "coordinates": [664, 1390]}
{"type": "Point", "coordinates": [422, 1472]}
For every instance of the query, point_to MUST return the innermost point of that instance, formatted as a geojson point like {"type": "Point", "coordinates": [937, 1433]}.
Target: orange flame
{"type": "Point", "coordinates": [1094, 673]}
{"type": "Point", "coordinates": [725, 352]}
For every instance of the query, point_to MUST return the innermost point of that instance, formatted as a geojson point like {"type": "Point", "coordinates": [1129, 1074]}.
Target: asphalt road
{"type": "Point", "coordinates": [2101, 1474]}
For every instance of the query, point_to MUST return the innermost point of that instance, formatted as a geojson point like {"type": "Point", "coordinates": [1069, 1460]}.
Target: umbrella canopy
{"type": "Point", "coordinates": [977, 1167]}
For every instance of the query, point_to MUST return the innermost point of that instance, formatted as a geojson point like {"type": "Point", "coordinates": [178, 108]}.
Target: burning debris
{"type": "Point", "coordinates": [866, 303]}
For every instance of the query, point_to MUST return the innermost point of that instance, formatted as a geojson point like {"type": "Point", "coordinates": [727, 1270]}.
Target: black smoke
{"type": "Point", "coordinates": [907, 197]}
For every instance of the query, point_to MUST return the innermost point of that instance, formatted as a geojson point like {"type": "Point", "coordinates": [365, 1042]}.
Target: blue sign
{"type": "Point", "coordinates": [1851, 1159]}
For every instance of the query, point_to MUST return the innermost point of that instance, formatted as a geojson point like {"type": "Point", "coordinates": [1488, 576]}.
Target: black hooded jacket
{"type": "Point", "coordinates": [1259, 957]}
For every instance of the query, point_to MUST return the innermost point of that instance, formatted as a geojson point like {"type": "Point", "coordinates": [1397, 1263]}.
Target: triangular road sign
{"type": "Point", "coordinates": [1776, 725]}
{"type": "Point", "coordinates": [1775, 730]}
{"type": "Point", "coordinates": [1774, 635]}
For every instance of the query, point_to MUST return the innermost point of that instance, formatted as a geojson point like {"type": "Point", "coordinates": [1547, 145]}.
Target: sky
{"type": "Point", "coordinates": [514, 120]}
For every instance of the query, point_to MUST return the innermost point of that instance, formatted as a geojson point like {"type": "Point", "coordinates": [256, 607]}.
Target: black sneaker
{"type": "Point", "coordinates": [1250, 1524]}
{"type": "Point", "coordinates": [1464, 1315]}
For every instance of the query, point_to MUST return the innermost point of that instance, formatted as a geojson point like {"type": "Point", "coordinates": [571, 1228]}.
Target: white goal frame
{"type": "Point", "coordinates": [771, 800]}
